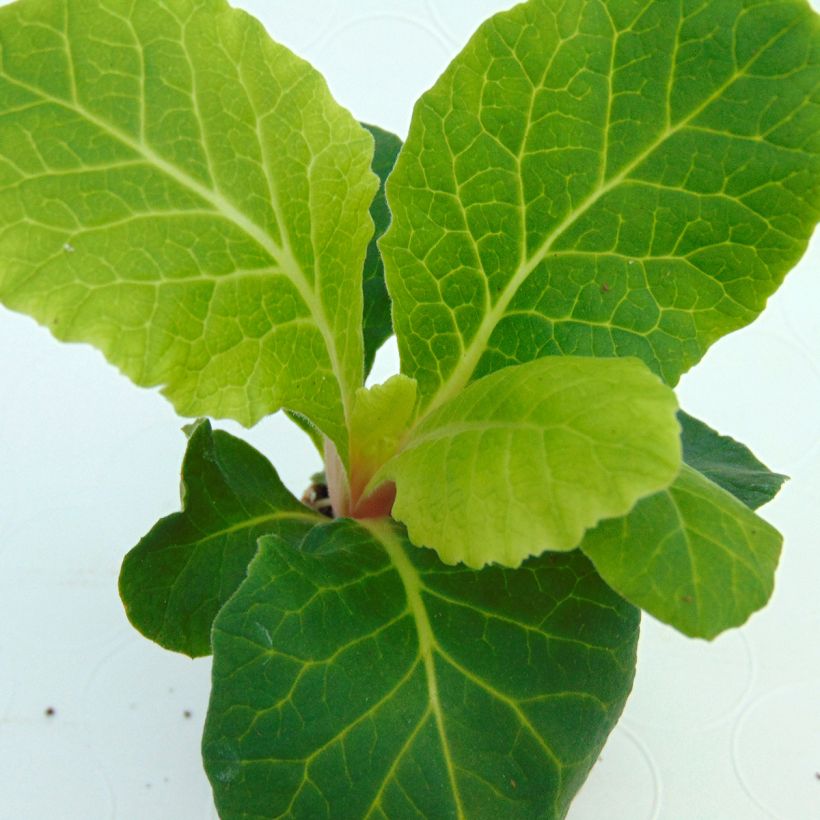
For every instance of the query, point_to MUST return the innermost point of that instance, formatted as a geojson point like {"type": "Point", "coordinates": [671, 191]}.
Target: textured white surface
{"type": "Point", "coordinates": [722, 731]}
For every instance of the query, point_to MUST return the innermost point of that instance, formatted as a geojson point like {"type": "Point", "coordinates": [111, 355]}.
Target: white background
{"type": "Point", "coordinates": [721, 731]}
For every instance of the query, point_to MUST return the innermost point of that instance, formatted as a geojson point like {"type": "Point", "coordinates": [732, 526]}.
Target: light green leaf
{"type": "Point", "coordinates": [693, 556]}
{"type": "Point", "coordinates": [380, 421]}
{"type": "Point", "coordinates": [381, 418]}
{"type": "Point", "coordinates": [619, 178]}
{"type": "Point", "coordinates": [312, 432]}
{"type": "Point", "coordinates": [185, 194]}
{"type": "Point", "coordinates": [526, 459]}
{"type": "Point", "coordinates": [358, 677]}
{"type": "Point", "coordinates": [728, 463]}
{"type": "Point", "coordinates": [378, 325]}
{"type": "Point", "coordinates": [181, 573]}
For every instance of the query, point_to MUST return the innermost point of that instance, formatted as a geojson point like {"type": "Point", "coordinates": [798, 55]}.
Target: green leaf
{"type": "Point", "coordinates": [693, 556]}
{"type": "Point", "coordinates": [526, 459]}
{"type": "Point", "coordinates": [185, 194]}
{"type": "Point", "coordinates": [179, 575]}
{"type": "Point", "coordinates": [381, 418]}
{"type": "Point", "coordinates": [356, 676]}
{"type": "Point", "coordinates": [313, 433]}
{"type": "Point", "coordinates": [611, 178]}
{"type": "Point", "coordinates": [380, 421]}
{"type": "Point", "coordinates": [378, 326]}
{"type": "Point", "coordinates": [728, 463]}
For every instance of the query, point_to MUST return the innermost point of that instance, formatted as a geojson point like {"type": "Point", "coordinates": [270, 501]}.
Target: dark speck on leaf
{"type": "Point", "coordinates": [687, 599]}
{"type": "Point", "coordinates": [605, 288]}
{"type": "Point", "coordinates": [50, 712]}
{"type": "Point", "coordinates": [186, 714]}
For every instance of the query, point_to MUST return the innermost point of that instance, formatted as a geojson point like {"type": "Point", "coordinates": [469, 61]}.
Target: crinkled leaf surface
{"type": "Point", "coordinates": [526, 459]}
{"type": "Point", "coordinates": [380, 420]}
{"type": "Point", "coordinates": [356, 676]}
{"type": "Point", "coordinates": [629, 177]}
{"type": "Point", "coordinates": [728, 463]}
{"type": "Point", "coordinates": [181, 573]}
{"type": "Point", "coordinates": [693, 556]}
{"type": "Point", "coordinates": [378, 325]}
{"type": "Point", "coordinates": [184, 193]}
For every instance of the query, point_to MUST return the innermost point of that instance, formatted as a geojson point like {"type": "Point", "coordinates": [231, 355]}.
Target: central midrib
{"type": "Point", "coordinates": [281, 254]}
{"type": "Point", "coordinates": [383, 532]}
{"type": "Point", "coordinates": [249, 523]}
{"type": "Point", "coordinates": [460, 375]}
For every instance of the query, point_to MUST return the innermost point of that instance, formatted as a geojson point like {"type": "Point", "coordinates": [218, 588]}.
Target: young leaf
{"type": "Point", "coordinates": [313, 433]}
{"type": "Point", "coordinates": [381, 418]}
{"type": "Point", "coordinates": [378, 325]}
{"type": "Point", "coordinates": [728, 463]}
{"type": "Point", "coordinates": [185, 194]}
{"type": "Point", "coordinates": [357, 676]}
{"type": "Point", "coordinates": [526, 459]}
{"type": "Point", "coordinates": [693, 556]}
{"type": "Point", "coordinates": [603, 178]}
{"type": "Point", "coordinates": [179, 575]}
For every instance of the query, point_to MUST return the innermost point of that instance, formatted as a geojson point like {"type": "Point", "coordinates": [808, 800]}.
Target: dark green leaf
{"type": "Point", "coordinates": [356, 676]}
{"type": "Point", "coordinates": [728, 463]}
{"type": "Point", "coordinates": [692, 555]}
{"type": "Point", "coordinates": [179, 575]}
{"type": "Point", "coordinates": [378, 325]}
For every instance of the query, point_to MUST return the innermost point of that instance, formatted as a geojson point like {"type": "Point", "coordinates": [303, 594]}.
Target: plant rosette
{"type": "Point", "coordinates": [588, 198]}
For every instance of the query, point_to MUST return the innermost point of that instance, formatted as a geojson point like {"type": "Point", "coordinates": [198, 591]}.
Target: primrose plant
{"type": "Point", "coordinates": [591, 194]}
